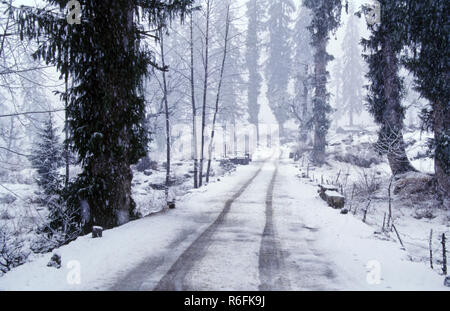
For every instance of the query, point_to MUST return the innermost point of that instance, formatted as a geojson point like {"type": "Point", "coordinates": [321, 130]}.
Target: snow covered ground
{"type": "Point", "coordinates": [356, 253]}
{"type": "Point", "coordinates": [320, 248]}
{"type": "Point", "coordinates": [415, 210]}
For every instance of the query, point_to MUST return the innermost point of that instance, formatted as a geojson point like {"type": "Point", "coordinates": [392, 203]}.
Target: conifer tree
{"type": "Point", "coordinates": [428, 37]}
{"type": "Point", "coordinates": [278, 66]}
{"type": "Point", "coordinates": [255, 15]}
{"type": "Point", "coordinates": [303, 62]}
{"type": "Point", "coordinates": [46, 158]}
{"type": "Point", "coordinates": [326, 19]}
{"type": "Point", "coordinates": [386, 88]}
{"type": "Point", "coordinates": [352, 75]}
{"type": "Point", "coordinates": [107, 59]}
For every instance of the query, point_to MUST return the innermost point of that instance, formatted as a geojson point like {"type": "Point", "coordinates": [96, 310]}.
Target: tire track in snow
{"type": "Point", "coordinates": [271, 261]}
{"type": "Point", "coordinates": [174, 278]}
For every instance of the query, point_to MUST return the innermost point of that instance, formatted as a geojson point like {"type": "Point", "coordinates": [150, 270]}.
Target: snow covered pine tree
{"type": "Point", "coordinates": [46, 158]}
{"type": "Point", "coordinates": [386, 88]}
{"type": "Point", "coordinates": [107, 60]}
{"type": "Point", "coordinates": [326, 18]}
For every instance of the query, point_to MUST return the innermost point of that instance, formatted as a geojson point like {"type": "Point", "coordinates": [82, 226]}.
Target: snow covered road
{"type": "Point", "coordinates": [260, 228]}
{"type": "Point", "coordinates": [241, 249]}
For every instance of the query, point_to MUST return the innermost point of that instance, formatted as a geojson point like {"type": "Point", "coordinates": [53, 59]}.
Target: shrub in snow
{"type": "Point", "coordinates": [7, 199]}
{"type": "Point", "coordinates": [368, 182]}
{"type": "Point", "coordinates": [4, 215]}
{"type": "Point", "coordinates": [144, 164]}
{"type": "Point", "coordinates": [45, 242]}
{"type": "Point", "coordinates": [447, 281]}
{"type": "Point", "coordinates": [12, 253]}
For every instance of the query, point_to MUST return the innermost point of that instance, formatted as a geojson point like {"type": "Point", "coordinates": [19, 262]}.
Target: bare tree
{"type": "Point", "coordinates": [205, 88]}
{"type": "Point", "coordinates": [211, 141]}
{"type": "Point", "coordinates": [166, 111]}
{"type": "Point", "coordinates": [194, 109]}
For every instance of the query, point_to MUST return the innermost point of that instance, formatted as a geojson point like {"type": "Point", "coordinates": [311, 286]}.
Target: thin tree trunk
{"type": "Point", "coordinates": [194, 109]}
{"type": "Point", "coordinates": [224, 129]}
{"type": "Point", "coordinates": [205, 90]}
{"type": "Point", "coordinates": [211, 141]}
{"type": "Point", "coordinates": [304, 134]}
{"type": "Point", "coordinates": [166, 111]}
{"type": "Point", "coordinates": [234, 137]}
{"type": "Point", "coordinates": [66, 128]}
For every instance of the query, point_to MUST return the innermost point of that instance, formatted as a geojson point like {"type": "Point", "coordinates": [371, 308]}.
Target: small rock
{"type": "Point", "coordinates": [55, 261]}
{"type": "Point", "coordinates": [97, 232]}
{"type": "Point", "coordinates": [447, 281]}
{"type": "Point", "coordinates": [171, 204]}
{"type": "Point", "coordinates": [148, 172]}
{"type": "Point", "coordinates": [344, 211]}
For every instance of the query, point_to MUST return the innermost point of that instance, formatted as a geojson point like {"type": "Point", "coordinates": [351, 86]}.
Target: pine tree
{"type": "Point", "coordinates": [278, 66]}
{"type": "Point", "coordinates": [47, 158]}
{"type": "Point", "coordinates": [255, 15]}
{"type": "Point", "coordinates": [386, 88]}
{"type": "Point", "coordinates": [336, 85]}
{"type": "Point", "coordinates": [107, 60]}
{"type": "Point", "coordinates": [352, 75]}
{"type": "Point", "coordinates": [428, 36]}
{"type": "Point", "coordinates": [326, 19]}
{"type": "Point", "coordinates": [303, 61]}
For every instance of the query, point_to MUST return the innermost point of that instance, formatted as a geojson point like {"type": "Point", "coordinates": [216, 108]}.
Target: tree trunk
{"type": "Point", "coordinates": [205, 90]}
{"type": "Point", "coordinates": [234, 137]}
{"type": "Point", "coordinates": [211, 142]}
{"type": "Point", "coordinates": [392, 128]}
{"type": "Point", "coordinates": [442, 153]}
{"type": "Point", "coordinates": [166, 111]}
{"type": "Point", "coordinates": [350, 114]}
{"type": "Point", "coordinates": [194, 109]}
{"type": "Point", "coordinates": [321, 107]}
{"type": "Point", "coordinates": [224, 129]}
{"type": "Point", "coordinates": [66, 129]}
{"type": "Point", "coordinates": [115, 206]}
{"type": "Point", "coordinates": [304, 131]}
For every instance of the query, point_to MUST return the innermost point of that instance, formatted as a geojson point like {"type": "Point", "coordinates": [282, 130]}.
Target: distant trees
{"type": "Point", "coordinates": [352, 73]}
{"type": "Point", "coordinates": [22, 90]}
{"type": "Point", "coordinates": [255, 13]}
{"type": "Point", "coordinates": [302, 64]}
{"type": "Point", "coordinates": [278, 67]}
{"type": "Point", "coordinates": [326, 18]}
